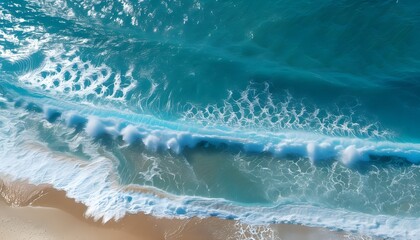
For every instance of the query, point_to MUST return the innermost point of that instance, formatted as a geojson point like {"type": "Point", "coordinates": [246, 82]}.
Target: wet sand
{"type": "Point", "coordinates": [41, 212]}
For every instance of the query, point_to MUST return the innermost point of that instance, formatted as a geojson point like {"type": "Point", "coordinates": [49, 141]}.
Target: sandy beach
{"type": "Point", "coordinates": [41, 212]}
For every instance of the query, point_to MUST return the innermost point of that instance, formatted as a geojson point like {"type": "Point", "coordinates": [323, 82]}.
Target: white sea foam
{"type": "Point", "coordinates": [64, 73]}
{"type": "Point", "coordinates": [130, 134]}
{"type": "Point", "coordinates": [258, 109]}
{"type": "Point", "coordinates": [95, 182]}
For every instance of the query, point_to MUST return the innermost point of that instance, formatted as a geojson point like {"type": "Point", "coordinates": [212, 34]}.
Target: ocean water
{"type": "Point", "coordinates": [303, 112]}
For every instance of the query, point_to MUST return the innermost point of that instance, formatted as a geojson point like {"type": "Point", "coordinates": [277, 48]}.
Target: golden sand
{"type": "Point", "coordinates": [42, 212]}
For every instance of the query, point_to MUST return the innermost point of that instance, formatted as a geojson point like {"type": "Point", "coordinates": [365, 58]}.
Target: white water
{"type": "Point", "coordinates": [95, 181]}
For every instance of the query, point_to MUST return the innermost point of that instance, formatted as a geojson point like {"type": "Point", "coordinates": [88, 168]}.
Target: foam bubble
{"type": "Point", "coordinates": [173, 145]}
{"type": "Point", "coordinates": [351, 155]}
{"type": "Point", "coordinates": [152, 142]}
{"type": "Point", "coordinates": [95, 128]}
{"type": "Point", "coordinates": [130, 134]}
{"type": "Point", "coordinates": [320, 151]}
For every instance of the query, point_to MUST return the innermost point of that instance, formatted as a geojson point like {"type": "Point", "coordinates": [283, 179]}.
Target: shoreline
{"type": "Point", "coordinates": [43, 212]}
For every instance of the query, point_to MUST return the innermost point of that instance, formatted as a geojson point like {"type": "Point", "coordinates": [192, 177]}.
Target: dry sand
{"type": "Point", "coordinates": [41, 212]}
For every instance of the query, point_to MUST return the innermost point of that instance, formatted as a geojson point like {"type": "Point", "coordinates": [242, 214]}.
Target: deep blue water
{"type": "Point", "coordinates": [239, 109]}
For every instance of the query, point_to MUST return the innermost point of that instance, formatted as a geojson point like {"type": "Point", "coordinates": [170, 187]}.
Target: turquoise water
{"type": "Point", "coordinates": [266, 112]}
